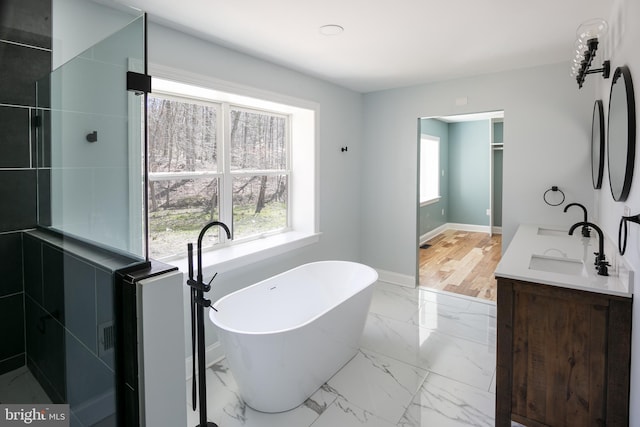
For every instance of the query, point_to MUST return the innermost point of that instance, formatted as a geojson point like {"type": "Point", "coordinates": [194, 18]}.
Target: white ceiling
{"type": "Point", "coordinates": [387, 43]}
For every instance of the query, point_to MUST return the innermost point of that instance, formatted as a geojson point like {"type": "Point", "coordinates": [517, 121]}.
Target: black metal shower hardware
{"type": "Point", "coordinates": [198, 303]}
{"type": "Point", "coordinates": [138, 83]}
{"type": "Point", "coordinates": [93, 136]}
{"type": "Point", "coordinates": [36, 121]}
{"type": "Point", "coordinates": [553, 189]}
{"type": "Point", "coordinates": [343, 149]}
{"type": "Point", "coordinates": [622, 240]}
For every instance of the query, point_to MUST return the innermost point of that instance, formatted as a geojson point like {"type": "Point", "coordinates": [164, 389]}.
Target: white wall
{"type": "Point", "coordinates": [79, 24]}
{"type": "Point", "coordinates": [623, 47]}
{"type": "Point", "coordinates": [546, 131]}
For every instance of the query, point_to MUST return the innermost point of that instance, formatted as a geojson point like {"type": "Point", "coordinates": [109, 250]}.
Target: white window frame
{"type": "Point", "coordinates": [429, 192]}
{"type": "Point", "coordinates": [226, 192]}
{"type": "Point", "coordinates": [303, 227]}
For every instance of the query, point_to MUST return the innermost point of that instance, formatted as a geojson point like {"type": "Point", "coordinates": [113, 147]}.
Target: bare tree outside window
{"type": "Point", "coordinates": [187, 177]}
{"type": "Point", "coordinates": [258, 158]}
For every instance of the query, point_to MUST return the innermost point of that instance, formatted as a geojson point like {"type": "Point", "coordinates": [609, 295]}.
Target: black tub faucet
{"type": "Point", "coordinates": [601, 262]}
{"type": "Point", "coordinates": [585, 229]}
{"type": "Point", "coordinates": [198, 303]}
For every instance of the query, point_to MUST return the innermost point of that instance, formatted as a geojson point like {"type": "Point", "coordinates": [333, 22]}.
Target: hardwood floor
{"type": "Point", "coordinates": [462, 262]}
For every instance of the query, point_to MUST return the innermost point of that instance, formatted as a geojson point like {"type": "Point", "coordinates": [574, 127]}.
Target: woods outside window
{"type": "Point", "coordinates": [215, 160]}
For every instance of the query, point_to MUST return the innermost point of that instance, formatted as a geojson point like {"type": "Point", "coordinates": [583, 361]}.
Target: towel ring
{"type": "Point", "coordinates": [622, 244]}
{"type": "Point", "coordinates": [622, 240]}
{"type": "Point", "coordinates": [554, 189]}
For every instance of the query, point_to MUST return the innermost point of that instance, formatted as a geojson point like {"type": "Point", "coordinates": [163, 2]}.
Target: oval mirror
{"type": "Point", "coordinates": [621, 134]}
{"type": "Point", "coordinates": [597, 144]}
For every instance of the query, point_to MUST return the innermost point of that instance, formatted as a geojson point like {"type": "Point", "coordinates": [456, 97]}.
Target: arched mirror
{"type": "Point", "coordinates": [621, 134]}
{"type": "Point", "coordinates": [597, 144]}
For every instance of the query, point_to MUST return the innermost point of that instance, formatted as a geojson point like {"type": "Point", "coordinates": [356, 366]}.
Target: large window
{"type": "Point", "coordinates": [429, 169]}
{"type": "Point", "coordinates": [211, 159]}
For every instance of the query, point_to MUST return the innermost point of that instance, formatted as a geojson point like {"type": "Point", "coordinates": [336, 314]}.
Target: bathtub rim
{"type": "Point", "coordinates": [212, 311]}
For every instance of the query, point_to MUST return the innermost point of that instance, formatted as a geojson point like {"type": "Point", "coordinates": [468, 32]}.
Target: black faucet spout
{"type": "Point", "coordinates": [201, 235]}
{"type": "Point", "coordinates": [601, 262]}
{"type": "Point", "coordinates": [585, 229]}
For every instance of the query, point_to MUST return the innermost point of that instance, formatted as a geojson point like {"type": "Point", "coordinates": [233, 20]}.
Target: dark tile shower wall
{"type": "Point", "coordinates": [11, 303]}
{"type": "Point", "coordinates": [72, 319]}
{"type": "Point", "coordinates": [68, 303]}
{"type": "Point", "coordinates": [25, 55]}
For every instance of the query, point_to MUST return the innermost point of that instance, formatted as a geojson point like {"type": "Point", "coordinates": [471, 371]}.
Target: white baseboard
{"type": "Point", "coordinates": [433, 233]}
{"type": "Point", "coordinates": [469, 227]}
{"type": "Point", "coordinates": [213, 354]}
{"type": "Point", "coordinates": [456, 226]}
{"type": "Point", "coordinates": [396, 278]}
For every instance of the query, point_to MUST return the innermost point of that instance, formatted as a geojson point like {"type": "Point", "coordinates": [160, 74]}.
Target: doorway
{"type": "Point", "coordinates": [459, 231]}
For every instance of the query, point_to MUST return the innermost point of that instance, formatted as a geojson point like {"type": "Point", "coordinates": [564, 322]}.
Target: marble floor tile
{"type": "Point", "coordinates": [444, 298]}
{"type": "Point", "coordinates": [378, 384]}
{"type": "Point", "coordinates": [402, 290]}
{"type": "Point", "coordinates": [477, 322]}
{"type": "Point", "coordinates": [443, 402]}
{"type": "Point", "coordinates": [344, 414]}
{"type": "Point", "coordinates": [20, 386]}
{"type": "Point", "coordinates": [387, 302]}
{"type": "Point", "coordinates": [492, 387]}
{"type": "Point", "coordinates": [392, 338]}
{"type": "Point", "coordinates": [470, 362]}
{"type": "Point", "coordinates": [226, 408]}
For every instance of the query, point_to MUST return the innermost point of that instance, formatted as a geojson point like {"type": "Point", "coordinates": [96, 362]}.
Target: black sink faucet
{"type": "Point", "coordinates": [601, 262]}
{"type": "Point", "coordinates": [585, 229]}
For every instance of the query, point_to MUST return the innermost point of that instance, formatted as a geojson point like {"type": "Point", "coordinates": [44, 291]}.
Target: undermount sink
{"type": "Point", "coordinates": [574, 267]}
{"type": "Point", "coordinates": [551, 232]}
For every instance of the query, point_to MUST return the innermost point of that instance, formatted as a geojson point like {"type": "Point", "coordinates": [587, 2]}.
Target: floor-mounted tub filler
{"type": "Point", "coordinates": [287, 335]}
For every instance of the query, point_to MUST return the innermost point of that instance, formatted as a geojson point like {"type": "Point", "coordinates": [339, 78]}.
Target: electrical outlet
{"type": "Point", "coordinates": [488, 212]}
{"type": "Point", "coordinates": [442, 212]}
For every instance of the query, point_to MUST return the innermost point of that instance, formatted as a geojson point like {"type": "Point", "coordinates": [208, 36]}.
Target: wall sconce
{"type": "Point", "coordinates": [588, 35]}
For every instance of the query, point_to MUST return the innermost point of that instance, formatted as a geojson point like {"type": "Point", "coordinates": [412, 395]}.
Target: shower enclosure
{"type": "Point", "coordinates": [89, 127]}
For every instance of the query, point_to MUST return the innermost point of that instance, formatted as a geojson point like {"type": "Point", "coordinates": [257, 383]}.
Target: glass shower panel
{"type": "Point", "coordinates": [89, 133]}
{"type": "Point", "coordinates": [90, 145]}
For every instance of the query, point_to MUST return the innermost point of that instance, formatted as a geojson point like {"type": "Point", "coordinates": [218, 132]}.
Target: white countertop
{"type": "Point", "coordinates": [548, 255]}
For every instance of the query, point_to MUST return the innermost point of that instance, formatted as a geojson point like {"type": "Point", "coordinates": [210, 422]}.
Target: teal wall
{"type": "Point", "coordinates": [498, 137]}
{"type": "Point", "coordinates": [498, 132]}
{"type": "Point", "coordinates": [431, 216]}
{"type": "Point", "coordinates": [464, 188]}
{"type": "Point", "coordinates": [469, 172]}
{"type": "Point", "coordinates": [497, 188]}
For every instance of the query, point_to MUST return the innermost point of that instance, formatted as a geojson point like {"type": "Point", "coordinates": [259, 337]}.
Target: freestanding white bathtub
{"type": "Point", "coordinates": [287, 335]}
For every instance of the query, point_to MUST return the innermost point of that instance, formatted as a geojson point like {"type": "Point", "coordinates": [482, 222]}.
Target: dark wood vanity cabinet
{"type": "Point", "coordinates": [563, 356]}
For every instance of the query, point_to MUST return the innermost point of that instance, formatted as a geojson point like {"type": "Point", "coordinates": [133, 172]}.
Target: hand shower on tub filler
{"type": "Point", "coordinates": [198, 303]}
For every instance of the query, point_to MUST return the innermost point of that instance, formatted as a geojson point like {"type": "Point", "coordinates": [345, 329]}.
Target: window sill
{"type": "Point", "coordinates": [430, 202]}
{"type": "Point", "coordinates": [237, 256]}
